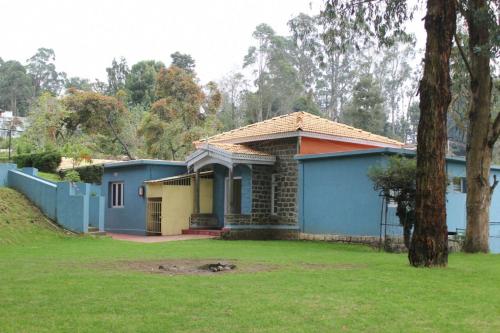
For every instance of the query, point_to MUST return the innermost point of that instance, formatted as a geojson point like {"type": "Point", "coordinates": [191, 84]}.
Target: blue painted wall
{"type": "Point", "coordinates": [4, 171]}
{"type": "Point", "coordinates": [337, 197]}
{"type": "Point", "coordinates": [131, 218]}
{"type": "Point", "coordinates": [70, 205]}
{"type": "Point", "coordinates": [41, 192]}
{"type": "Point", "coordinates": [220, 174]}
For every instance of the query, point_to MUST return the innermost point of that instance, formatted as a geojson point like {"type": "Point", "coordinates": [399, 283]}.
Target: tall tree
{"type": "Point", "coordinates": [97, 114]}
{"type": "Point", "coordinates": [174, 120]}
{"type": "Point", "coordinates": [430, 239]}
{"type": "Point", "coordinates": [308, 48]}
{"type": "Point", "coordinates": [15, 87]}
{"type": "Point", "coordinates": [276, 77]}
{"type": "Point", "coordinates": [366, 109]}
{"type": "Point", "coordinates": [78, 83]}
{"type": "Point", "coordinates": [184, 61]}
{"type": "Point", "coordinates": [386, 21]}
{"type": "Point", "coordinates": [42, 69]}
{"type": "Point", "coordinates": [117, 75]}
{"type": "Point", "coordinates": [483, 132]}
{"type": "Point", "coordinates": [233, 86]}
{"type": "Point", "coordinates": [141, 82]}
{"type": "Point", "coordinates": [393, 73]}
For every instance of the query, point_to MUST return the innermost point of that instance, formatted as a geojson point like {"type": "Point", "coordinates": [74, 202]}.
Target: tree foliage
{"type": "Point", "coordinates": [396, 182]}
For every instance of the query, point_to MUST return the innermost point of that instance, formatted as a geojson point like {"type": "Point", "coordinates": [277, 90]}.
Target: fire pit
{"type": "Point", "coordinates": [218, 267]}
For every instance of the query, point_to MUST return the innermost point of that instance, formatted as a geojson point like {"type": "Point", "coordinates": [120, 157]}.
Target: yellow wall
{"type": "Point", "coordinates": [178, 205]}
{"type": "Point", "coordinates": [154, 190]}
{"type": "Point", "coordinates": [206, 196]}
{"type": "Point", "coordinates": [177, 208]}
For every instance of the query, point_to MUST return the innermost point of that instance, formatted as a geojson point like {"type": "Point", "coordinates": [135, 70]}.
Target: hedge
{"type": "Point", "coordinates": [46, 161]}
{"type": "Point", "coordinates": [88, 174]}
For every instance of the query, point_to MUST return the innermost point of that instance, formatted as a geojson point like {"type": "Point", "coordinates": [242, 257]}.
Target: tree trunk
{"type": "Point", "coordinates": [429, 246]}
{"type": "Point", "coordinates": [479, 143]}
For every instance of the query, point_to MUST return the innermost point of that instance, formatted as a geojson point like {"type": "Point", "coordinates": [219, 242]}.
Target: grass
{"type": "Point", "coordinates": [53, 177]}
{"type": "Point", "coordinates": [50, 282]}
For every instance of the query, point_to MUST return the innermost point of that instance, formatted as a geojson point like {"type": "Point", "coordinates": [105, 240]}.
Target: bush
{"type": "Point", "coordinates": [72, 176]}
{"type": "Point", "coordinates": [88, 174]}
{"type": "Point", "coordinates": [47, 161]}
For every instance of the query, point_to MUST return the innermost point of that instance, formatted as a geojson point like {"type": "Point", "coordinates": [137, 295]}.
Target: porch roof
{"type": "Point", "coordinates": [184, 176]}
{"type": "Point", "coordinates": [228, 155]}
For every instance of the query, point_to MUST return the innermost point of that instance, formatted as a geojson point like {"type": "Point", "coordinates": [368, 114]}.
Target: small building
{"type": "Point", "coordinates": [256, 176]}
{"type": "Point", "coordinates": [124, 189]}
{"type": "Point", "coordinates": [11, 125]}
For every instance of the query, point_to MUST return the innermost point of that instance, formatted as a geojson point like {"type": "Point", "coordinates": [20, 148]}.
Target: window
{"type": "Point", "coordinates": [116, 195]}
{"type": "Point", "coordinates": [274, 194]}
{"type": "Point", "coordinates": [459, 184]}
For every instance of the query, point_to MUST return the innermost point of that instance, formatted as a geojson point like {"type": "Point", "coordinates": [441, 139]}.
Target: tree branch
{"type": "Point", "coordinates": [464, 57]}
{"type": "Point", "coordinates": [495, 183]}
{"type": "Point", "coordinates": [115, 133]}
{"type": "Point", "coordinates": [495, 131]}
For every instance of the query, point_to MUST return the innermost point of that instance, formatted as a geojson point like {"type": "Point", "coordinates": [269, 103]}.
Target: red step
{"type": "Point", "coordinates": [206, 232]}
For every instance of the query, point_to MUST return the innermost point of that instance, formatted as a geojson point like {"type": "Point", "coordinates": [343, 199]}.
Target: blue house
{"type": "Point", "coordinates": [288, 177]}
{"type": "Point", "coordinates": [124, 190]}
{"type": "Point", "coordinates": [336, 197]}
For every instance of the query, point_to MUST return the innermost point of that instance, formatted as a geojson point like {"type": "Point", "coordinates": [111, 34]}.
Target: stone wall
{"type": "Point", "coordinates": [261, 194]}
{"type": "Point", "coordinates": [286, 167]}
{"type": "Point", "coordinates": [238, 219]}
{"type": "Point", "coordinates": [261, 234]}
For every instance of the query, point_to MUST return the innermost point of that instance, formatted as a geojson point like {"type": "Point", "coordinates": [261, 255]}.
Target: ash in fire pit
{"type": "Point", "coordinates": [218, 267]}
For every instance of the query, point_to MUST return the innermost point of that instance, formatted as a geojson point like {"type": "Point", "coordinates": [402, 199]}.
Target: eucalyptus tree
{"type": "Point", "coordinates": [42, 70]}
{"type": "Point", "coordinates": [233, 87]}
{"type": "Point", "coordinates": [141, 82]}
{"type": "Point", "coordinates": [273, 63]}
{"type": "Point", "coordinates": [15, 87]}
{"type": "Point", "coordinates": [385, 20]}
{"type": "Point", "coordinates": [483, 129]}
{"type": "Point", "coordinates": [184, 61]}
{"type": "Point", "coordinates": [117, 75]}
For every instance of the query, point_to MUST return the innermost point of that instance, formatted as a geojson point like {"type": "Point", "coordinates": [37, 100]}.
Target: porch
{"type": "Point", "coordinates": [222, 190]}
{"type": "Point", "coordinates": [234, 169]}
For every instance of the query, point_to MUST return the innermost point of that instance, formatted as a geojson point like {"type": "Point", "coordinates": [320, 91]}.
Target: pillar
{"type": "Point", "coordinates": [197, 192]}
{"type": "Point", "coordinates": [230, 192]}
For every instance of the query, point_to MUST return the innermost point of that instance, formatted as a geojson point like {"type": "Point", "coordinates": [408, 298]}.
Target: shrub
{"type": "Point", "coordinates": [72, 176]}
{"type": "Point", "coordinates": [46, 161]}
{"type": "Point", "coordinates": [88, 174]}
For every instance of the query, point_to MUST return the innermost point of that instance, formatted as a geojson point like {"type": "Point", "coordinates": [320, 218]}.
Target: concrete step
{"type": "Point", "coordinates": [95, 231]}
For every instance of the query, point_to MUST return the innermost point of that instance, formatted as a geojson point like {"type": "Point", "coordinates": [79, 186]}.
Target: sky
{"type": "Point", "coordinates": [87, 34]}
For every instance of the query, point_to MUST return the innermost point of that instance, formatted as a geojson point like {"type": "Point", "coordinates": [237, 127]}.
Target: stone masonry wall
{"type": "Point", "coordinates": [287, 169]}
{"type": "Point", "coordinates": [238, 219]}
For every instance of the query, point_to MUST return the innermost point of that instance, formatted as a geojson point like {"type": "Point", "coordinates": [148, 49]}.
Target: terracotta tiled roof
{"type": "Point", "coordinates": [234, 148]}
{"type": "Point", "coordinates": [300, 121]}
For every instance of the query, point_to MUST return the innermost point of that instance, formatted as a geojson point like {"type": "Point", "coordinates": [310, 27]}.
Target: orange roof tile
{"type": "Point", "coordinates": [300, 121]}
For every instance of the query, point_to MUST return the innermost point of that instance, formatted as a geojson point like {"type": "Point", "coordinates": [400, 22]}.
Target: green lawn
{"type": "Point", "coordinates": [51, 282]}
{"type": "Point", "coordinates": [53, 177]}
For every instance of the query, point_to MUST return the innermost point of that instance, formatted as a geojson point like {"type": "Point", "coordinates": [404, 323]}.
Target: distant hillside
{"type": "Point", "coordinates": [21, 222]}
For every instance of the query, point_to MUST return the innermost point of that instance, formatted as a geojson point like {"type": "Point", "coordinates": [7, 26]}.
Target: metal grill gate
{"type": "Point", "coordinates": [154, 216]}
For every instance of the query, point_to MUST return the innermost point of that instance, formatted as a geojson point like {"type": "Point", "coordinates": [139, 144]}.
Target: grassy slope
{"type": "Point", "coordinates": [21, 222]}
{"type": "Point", "coordinates": [52, 284]}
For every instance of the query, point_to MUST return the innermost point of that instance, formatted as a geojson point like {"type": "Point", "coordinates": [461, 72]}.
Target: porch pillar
{"type": "Point", "coordinates": [197, 192]}
{"type": "Point", "coordinates": [230, 203]}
